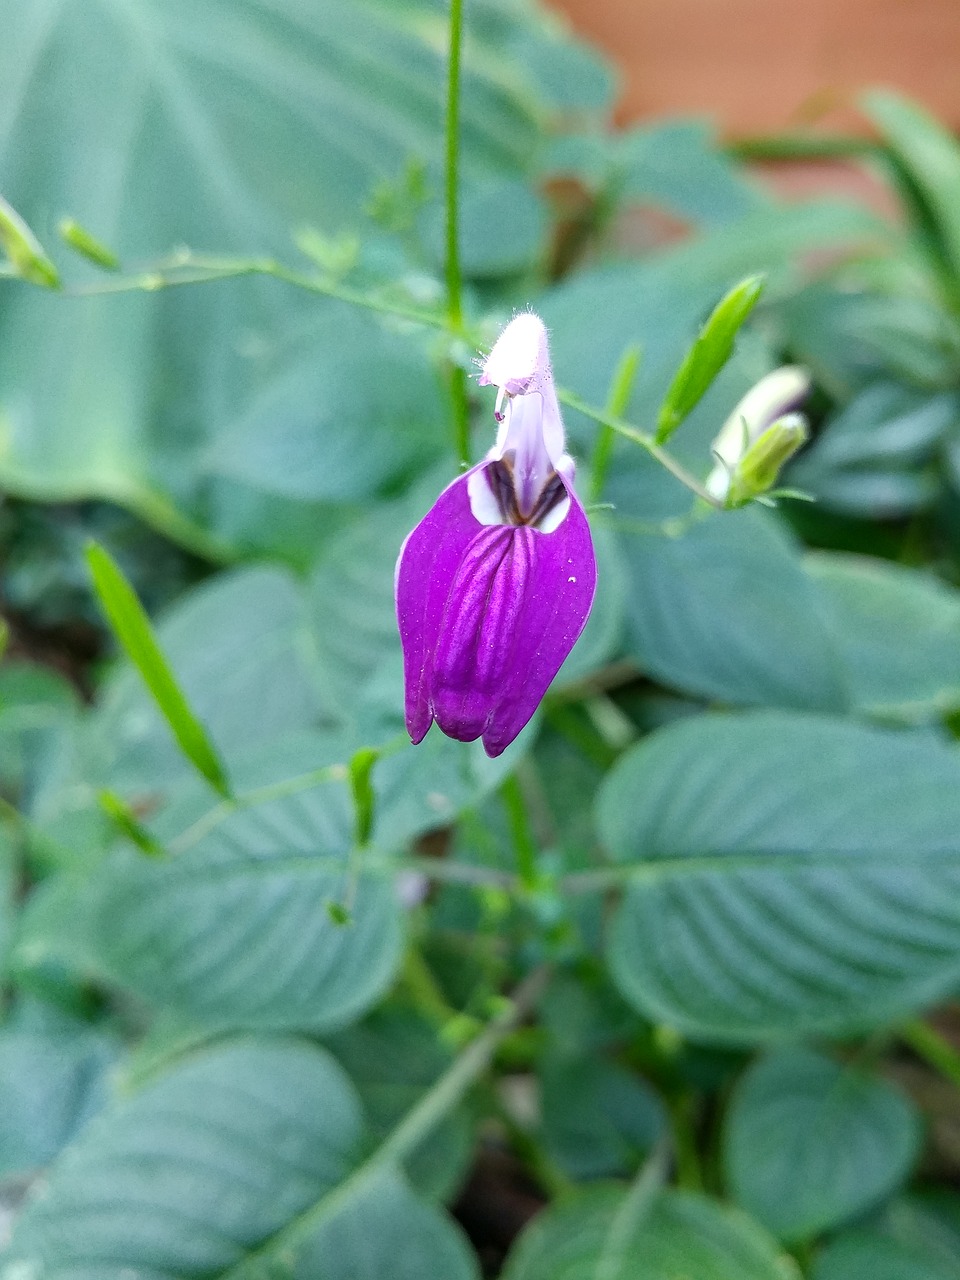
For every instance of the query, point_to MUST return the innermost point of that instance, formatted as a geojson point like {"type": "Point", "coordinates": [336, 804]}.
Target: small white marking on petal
{"type": "Point", "coordinates": [571, 579]}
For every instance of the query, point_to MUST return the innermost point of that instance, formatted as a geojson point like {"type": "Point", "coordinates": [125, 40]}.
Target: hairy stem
{"type": "Point", "coordinates": [644, 440]}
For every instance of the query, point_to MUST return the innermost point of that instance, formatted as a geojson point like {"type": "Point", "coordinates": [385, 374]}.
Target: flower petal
{"type": "Point", "coordinates": [427, 565]}
{"type": "Point", "coordinates": [558, 595]}
{"type": "Point", "coordinates": [482, 626]}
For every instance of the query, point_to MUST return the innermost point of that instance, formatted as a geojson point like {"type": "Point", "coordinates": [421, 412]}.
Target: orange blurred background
{"type": "Point", "coordinates": [760, 66]}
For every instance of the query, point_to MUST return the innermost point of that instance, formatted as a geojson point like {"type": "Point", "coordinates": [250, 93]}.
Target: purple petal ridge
{"type": "Point", "coordinates": [487, 615]}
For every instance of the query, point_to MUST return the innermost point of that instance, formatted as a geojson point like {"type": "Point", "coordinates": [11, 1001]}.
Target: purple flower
{"type": "Point", "coordinates": [495, 584]}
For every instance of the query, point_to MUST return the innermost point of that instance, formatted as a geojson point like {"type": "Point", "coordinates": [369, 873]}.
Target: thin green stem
{"type": "Point", "coordinates": [524, 844]}
{"type": "Point", "coordinates": [435, 1104]}
{"type": "Point", "coordinates": [208, 821]}
{"type": "Point", "coordinates": [452, 169]}
{"type": "Point", "coordinates": [188, 268]}
{"type": "Point", "coordinates": [934, 1048]}
{"type": "Point", "coordinates": [644, 440]}
{"type": "Point", "coordinates": [618, 400]}
{"type": "Point", "coordinates": [458, 378]}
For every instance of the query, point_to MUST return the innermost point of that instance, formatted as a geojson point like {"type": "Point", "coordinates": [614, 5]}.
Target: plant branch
{"type": "Point", "coordinates": [435, 1104]}
{"type": "Point", "coordinates": [458, 377]}
{"type": "Point", "coordinates": [644, 440]}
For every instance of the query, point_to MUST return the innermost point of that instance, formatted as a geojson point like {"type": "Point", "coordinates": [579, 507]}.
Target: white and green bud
{"type": "Point", "coordinates": [758, 470]}
{"type": "Point", "coordinates": [765, 414]}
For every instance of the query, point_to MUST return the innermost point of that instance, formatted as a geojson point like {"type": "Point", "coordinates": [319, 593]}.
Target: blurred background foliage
{"type": "Point", "coordinates": [742, 791]}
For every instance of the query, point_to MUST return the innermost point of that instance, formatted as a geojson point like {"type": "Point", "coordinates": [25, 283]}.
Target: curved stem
{"type": "Point", "coordinates": [644, 440]}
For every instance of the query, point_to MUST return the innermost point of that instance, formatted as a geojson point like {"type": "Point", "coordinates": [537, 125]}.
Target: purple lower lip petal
{"type": "Point", "coordinates": [487, 615]}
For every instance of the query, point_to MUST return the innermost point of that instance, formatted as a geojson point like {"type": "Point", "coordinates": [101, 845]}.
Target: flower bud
{"type": "Point", "coordinates": [757, 471]}
{"type": "Point", "coordinates": [765, 404]}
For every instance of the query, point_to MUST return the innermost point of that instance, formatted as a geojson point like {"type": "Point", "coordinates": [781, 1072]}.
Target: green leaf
{"type": "Point", "coordinates": [593, 1234]}
{"type": "Point", "coordinates": [930, 157]}
{"type": "Point", "coordinates": [52, 1077]}
{"type": "Point", "coordinates": [24, 252]}
{"type": "Point", "coordinates": [130, 624]}
{"type": "Point", "coordinates": [724, 611]}
{"type": "Point", "coordinates": [787, 875]}
{"type": "Point", "coordinates": [202, 1167]}
{"type": "Point", "coordinates": [234, 931]}
{"type": "Point", "coordinates": [161, 126]}
{"type": "Point", "coordinates": [599, 1120]}
{"type": "Point", "coordinates": [35, 704]}
{"type": "Point", "coordinates": [809, 1143]}
{"type": "Point", "coordinates": [385, 1229]}
{"type": "Point", "coordinates": [679, 164]}
{"type": "Point", "coordinates": [324, 429]}
{"type": "Point", "coordinates": [862, 1255]}
{"type": "Point", "coordinates": [917, 1238]}
{"type": "Point", "coordinates": [709, 353]}
{"type": "Point", "coordinates": [897, 632]}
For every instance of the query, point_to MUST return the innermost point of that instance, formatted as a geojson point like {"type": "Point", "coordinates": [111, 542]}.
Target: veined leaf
{"type": "Point", "coordinates": [595, 1234]}
{"type": "Point", "coordinates": [809, 1142]}
{"type": "Point", "coordinates": [787, 875]}
{"type": "Point", "coordinates": [203, 1171]}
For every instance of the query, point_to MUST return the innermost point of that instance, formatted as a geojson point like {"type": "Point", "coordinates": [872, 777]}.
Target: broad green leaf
{"type": "Point", "coordinates": [386, 1230]}
{"type": "Point", "coordinates": [236, 929]}
{"type": "Point", "coordinates": [346, 409]}
{"type": "Point", "coordinates": [52, 1073]}
{"type": "Point", "coordinates": [724, 611]}
{"type": "Point", "coordinates": [849, 339]}
{"type": "Point", "coordinates": [198, 1170]}
{"type": "Point", "coordinates": [787, 875]}
{"type": "Point", "coordinates": [130, 624]}
{"type": "Point", "coordinates": [809, 1143]}
{"type": "Point", "coordinates": [884, 424]}
{"type": "Point", "coordinates": [599, 1120]}
{"type": "Point", "coordinates": [211, 1167]}
{"type": "Point", "coordinates": [35, 702]}
{"type": "Point", "coordinates": [678, 164]}
{"type": "Point", "coordinates": [602, 1235]}
{"type": "Point", "coordinates": [863, 1255]}
{"type": "Point", "coordinates": [930, 156]}
{"type": "Point", "coordinates": [897, 632]}
{"type": "Point", "coordinates": [916, 1238]}
{"type": "Point", "coordinates": [872, 458]}
{"type": "Point", "coordinates": [227, 128]}
{"type": "Point", "coordinates": [709, 353]}
{"type": "Point", "coordinates": [875, 493]}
